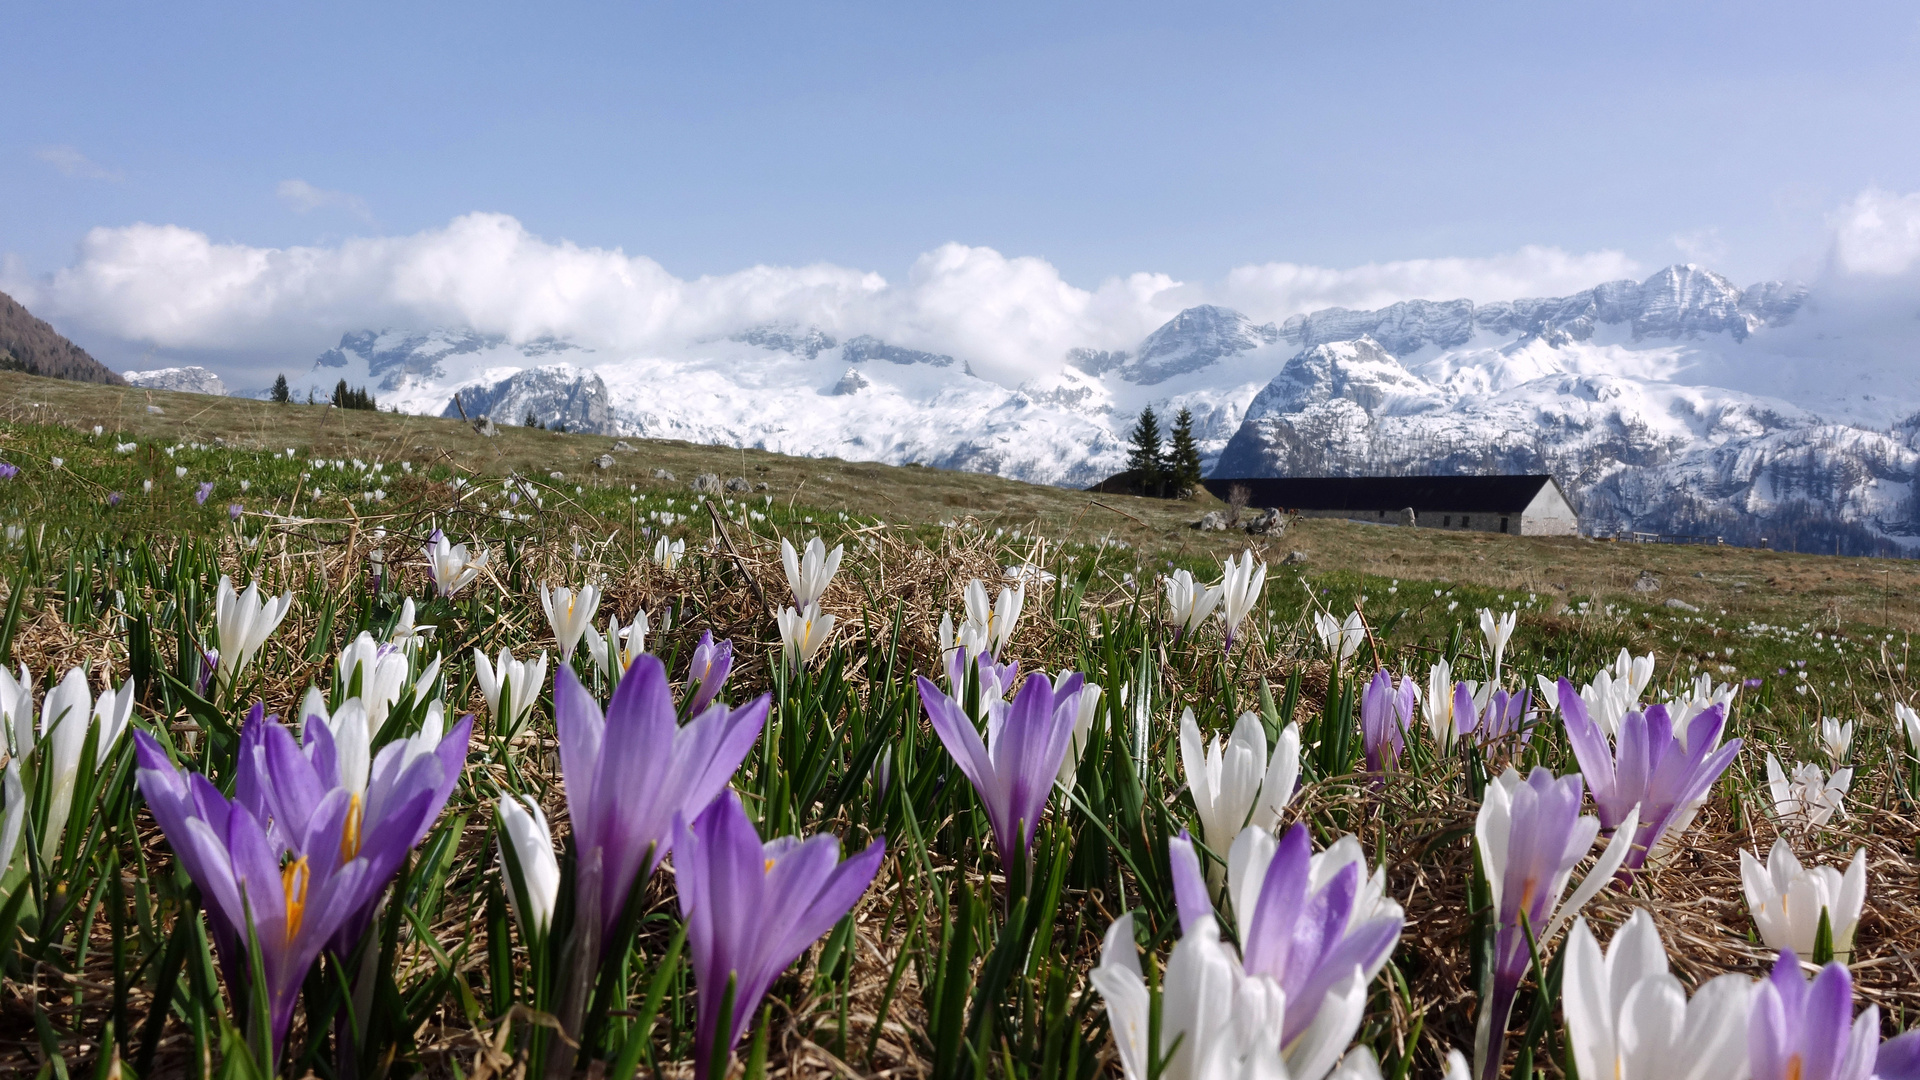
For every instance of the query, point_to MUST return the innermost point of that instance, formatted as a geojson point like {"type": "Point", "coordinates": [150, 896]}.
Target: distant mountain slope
{"type": "Point", "coordinates": [30, 345]}
{"type": "Point", "coordinates": [1682, 403]}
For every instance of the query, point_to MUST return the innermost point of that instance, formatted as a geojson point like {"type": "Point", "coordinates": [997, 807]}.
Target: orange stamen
{"type": "Point", "coordinates": [350, 833]}
{"type": "Point", "coordinates": [293, 884]}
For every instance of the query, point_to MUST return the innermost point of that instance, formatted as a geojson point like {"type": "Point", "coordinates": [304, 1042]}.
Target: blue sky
{"type": "Point", "coordinates": [1106, 139]}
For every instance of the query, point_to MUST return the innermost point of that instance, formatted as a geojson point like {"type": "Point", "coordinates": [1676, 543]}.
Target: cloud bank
{"type": "Point", "coordinates": [1010, 317]}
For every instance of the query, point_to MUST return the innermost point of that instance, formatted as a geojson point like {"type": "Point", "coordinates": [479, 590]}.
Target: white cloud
{"type": "Point", "coordinates": [303, 197]}
{"type": "Point", "coordinates": [1010, 317]}
{"type": "Point", "coordinates": [1277, 290]}
{"type": "Point", "coordinates": [1878, 233]}
{"type": "Point", "coordinates": [1703, 246]}
{"type": "Point", "coordinates": [71, 162]}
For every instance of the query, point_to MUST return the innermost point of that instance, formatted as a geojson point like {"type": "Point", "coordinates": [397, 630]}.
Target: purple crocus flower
{"type": "Point", "coordinates": [1506, 720]}
{"type": "Point", "coordinates": [753, 908]}
{"type": "Point", "coordinates": [629, 773]}
{"type": "Point", "coordinates": [8, 470]}
{"type": "Point", "coordinates": [1013, 770]}
{"type": "Point", "coordinates": [1384, 716]}
{"type": "Point", "coordinates": [1531, 835]}
{"type": "Point", "coordinates": [295, 900]}
{"type": "Point", "coordinates": [1307, 922]}
{"type": "Point", "coordinates": [234, 511]}
{"type": "Point", "coordinates": [708, 671]}
{"type": "Point", "coordinates": [205, 490]}
{"type": "Point", "coordinates": [114, 497]}
{"type": "Point", "coordinates": [1651, 767]}
{"type": "Point", "coordinates": [209, 663]}
{"type": "Point", "coordinates": [1806, 1031]}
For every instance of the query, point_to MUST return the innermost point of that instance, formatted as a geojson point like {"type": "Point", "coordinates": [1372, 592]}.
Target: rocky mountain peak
{"type": "Point", "coordinates": [1194, 339]}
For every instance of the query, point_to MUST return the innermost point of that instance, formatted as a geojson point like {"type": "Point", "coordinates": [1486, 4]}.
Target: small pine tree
{"type": "Point", "coordinates": [345, 397]}
{"type": "Point", "coordinates": [1145, 460]}
{"type": "Point", "coordinates": [281, 394]}
{"type": "Point", "coordinates": [531, 420]}
{"type": "Point", "coordinates": [1183, 457]}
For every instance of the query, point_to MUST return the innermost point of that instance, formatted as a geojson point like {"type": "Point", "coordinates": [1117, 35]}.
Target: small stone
{"type": "Point", "coordinates": [739, 484]}
{"type": "Point", "coordinates": [1269, 522]}
{"type": "Point", "coordinates": [604, 461]}
{"type": "Point", "coordinates": [1408, 518]}
{"type": "Point", "coordinates": [663, 474]}
{"type": "Point", "coordinates": [621, 447]}
{"type": "Point", "coordinates": [762, 486]}
{"type": "Point", "coordinates": [1646, 582]}
{"type": "Point", "coordinates": [1294, 558]}
{"type": "Point", "coordinates": [556, 475]}
{"type": "Point", "coordinates": [706, 483]}
{"type": "Point", "coordinates": [1212, 521]}
{"type": "Point", "coordinates": [1678, 604]}
{"type": "Point", "coordinates": [485, 427]}
{"type": "Point", "coordinates": [156, 410]}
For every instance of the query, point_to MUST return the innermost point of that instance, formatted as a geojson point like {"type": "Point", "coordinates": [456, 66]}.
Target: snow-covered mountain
{"type": "Point", "coordinates": [1681, 403]}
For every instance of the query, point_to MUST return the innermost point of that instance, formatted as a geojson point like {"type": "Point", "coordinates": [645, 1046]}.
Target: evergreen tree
{"type": "Point", "coordinates": [354, 398]}
{"type": "Point", "coordinates": [1183, 457]}
{"type": "Point", "coordinates": [1146, 459]}
{"type": "Point", "coordinates": [281, 393]}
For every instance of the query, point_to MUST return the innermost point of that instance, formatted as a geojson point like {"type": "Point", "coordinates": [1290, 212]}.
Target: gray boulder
{"type": "Point", "coordinates": [1212, 521]}
{"type": "Point", "coordinates": [1269, 522]}
{"type": "Point", "coordinates": [706, 483]}
{"type": "Point", "coordinates": [663, 474]}
{"type": "Point", "coordinates": [739, 484]}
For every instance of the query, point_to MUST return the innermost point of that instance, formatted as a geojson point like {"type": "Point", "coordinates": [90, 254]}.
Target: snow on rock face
{"type": "Point", "coordinates": [190, 380]}
{"type": "Point", "coordinates": [558, 397]}
{"type": "Point", "coordinates": [1681, 403]}
{"type": "Point", "coordinates": [1193, 340]}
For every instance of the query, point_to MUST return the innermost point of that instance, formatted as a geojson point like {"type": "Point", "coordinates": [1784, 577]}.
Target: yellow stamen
{"type": "Point", "coordinates": [350, 833]}
{"type": "Point", "coordinates": [1793, 1067]}
{"type": "Point", "coordinates": [293, 883]}
{"type": "Point", "coordinates": [767, 869]}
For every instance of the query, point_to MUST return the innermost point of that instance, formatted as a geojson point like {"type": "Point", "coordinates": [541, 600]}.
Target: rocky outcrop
{"type": "Point", "coordinates": [1193, 340]}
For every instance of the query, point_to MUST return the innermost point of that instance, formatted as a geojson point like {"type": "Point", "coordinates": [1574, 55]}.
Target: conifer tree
{"type": "Point", "coordinates": [281, 393]}
{"type": "Point", "coordinates": [1183, 457]}
{"type": "Point", "coordinates": [1146, 459]}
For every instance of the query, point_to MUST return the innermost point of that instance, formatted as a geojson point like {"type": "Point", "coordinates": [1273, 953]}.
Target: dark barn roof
{"type": "Point", "coordinates": [1370, 494]}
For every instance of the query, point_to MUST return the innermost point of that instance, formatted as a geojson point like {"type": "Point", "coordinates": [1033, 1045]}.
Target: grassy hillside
{"type": "Point", "coordinates": [121, 510]}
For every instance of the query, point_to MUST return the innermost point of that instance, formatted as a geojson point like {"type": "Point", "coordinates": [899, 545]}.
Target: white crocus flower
{"type": "Point", "coordinates": [993, 625]}
{"type": "Point", "coordinates": [1704, 694]}
{"type": "Point", "coordinates": [1787, 898]}
{"type": "Point", "coordinates": [243, 622]}
{"type": "Point", "coordinates": [1189, 602]}
{"type": "Point", "coordinates": [668, 553]}
{"type": "Point", "coordinates": [406, 635]}
{"type": "Point", "coordinates": [629, 642]}
{"type": "Point", "coordinates": [1628, 1018]}
{"type": "Point", "coordinates": [971, 636]}
{"type": "Point", "coordinates": [569, 614]}
{"type": "Point", "coordinates": [383, 671]}
{"type": "Point", "coordinates": [1910, 723]}
{"type": "Point", "coordinates": [452, 567]}
{"type": "Point", "coordinates": [522, 680]}
{"type": "Point", "coordinates": [523, 827]}
{"type": "Point", "coordinates": [1340, 639]}
{"type": "Point", "coordinates": [352, 738]}
{"type": "Point", "coordinates": [1438, 704]}
{"type": "Point", "coordinates": [802, 633]}
{"type": "Point", "coordinates": [1809, 796]}
{"type": "Point", "coordinates": [64, 717]}
{"type": "Point", "coordinates": [1836, 739]}
{"type": "Point", "coordinates": [809, 574]}
{"type": "Point", "coordinates": [1633, 671]}
{"type": "Point", "coordinates": [16, 712]}
{"type": "Point", "coordinates": [112, 712]}
{"type": "Point", "coordinates": [1240, 584]}
{"type": "Point", "coordinates": [13, 814]}
{"type": "Point", "coordinates": [1089, 708]}
{"type": "Point", "coordinates": [1498, 630]}
{"type": "Point", "coordinates": [1235, 783]}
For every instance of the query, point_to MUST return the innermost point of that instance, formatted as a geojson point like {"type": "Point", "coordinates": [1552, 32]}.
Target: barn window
{"type": "Point", "coordinates": [1465, 521]}
{"type": "Point", "coordinates": [1503, 524]}
{"type": "Point", "coordinates": [1447, 522]}
{"type": "Point", "coordinates": [1383, 513]}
